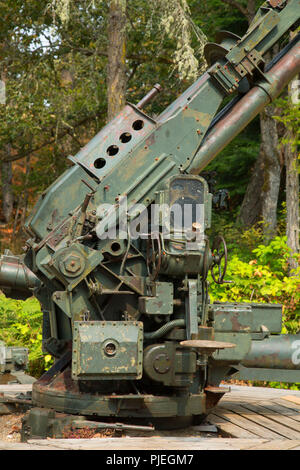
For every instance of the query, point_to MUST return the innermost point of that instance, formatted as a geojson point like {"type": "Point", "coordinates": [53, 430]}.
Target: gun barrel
{"type": "Point", "coordinates": [16, 277]}
{"type": "Point", "coordinates": [249, 106]}
{"type": "Point", "coordinates": [275, 352]}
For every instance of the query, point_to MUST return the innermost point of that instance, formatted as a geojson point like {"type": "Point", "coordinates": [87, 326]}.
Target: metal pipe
{"type": "Point", "coordinates": [79, 424]}
{"type": "Point", "coordinates": [16, 276]}
{"type": "Point", "coordinates": [245, 110]}
{"type": "Point", "coordinates": [275, 352]}
{"type": "Point", "coordinates": [149, 97]}
{"type": "Point", "coordinates": [164, 329]}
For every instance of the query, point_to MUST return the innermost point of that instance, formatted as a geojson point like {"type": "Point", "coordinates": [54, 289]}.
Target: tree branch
{"type": "Point", "coordinates": [50, 141]}
{"type": "Point", "coordinates": [135, 57]}
{"type": "Point", "coordinates": [237, 5]}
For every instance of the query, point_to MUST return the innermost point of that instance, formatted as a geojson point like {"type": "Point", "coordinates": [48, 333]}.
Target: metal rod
{"type": "Point", "coordinates": [150, 96]}
{"type": "Point", "coordinates": [119, 426]}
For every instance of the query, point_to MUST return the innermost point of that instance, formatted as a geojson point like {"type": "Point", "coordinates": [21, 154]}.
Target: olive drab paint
{"type": "Point", "coordinates": [129, 319]}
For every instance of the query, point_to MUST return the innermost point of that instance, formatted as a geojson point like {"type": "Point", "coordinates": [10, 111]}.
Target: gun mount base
{"type": "Point", "coordinates": [63, 394]}
{"type": "Point", "coordinates": [58, 400]}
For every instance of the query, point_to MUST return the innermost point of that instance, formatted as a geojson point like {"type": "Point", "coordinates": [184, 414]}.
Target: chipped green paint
{"type": "Point", "coordinates": [106, 350]}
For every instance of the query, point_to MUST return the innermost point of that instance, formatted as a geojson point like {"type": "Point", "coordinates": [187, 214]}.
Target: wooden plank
{"type": "Point", "coordinates": [231, 429]}
{"type": "Point", "coordinates": [260, 392]}
{"type": "Point", "coordinates": [285, 412]}
{"type": "Point", "coordinates": [147, 444]}
{"type": "Point", "coordinates": [233, 414]}
{"type": "Point", "coordinates": [228, 398]}
{"type": "Point", "coordinates": [114, 444]}
{"type": "Point", "coordinates": [283, 444]}
{"type": "Point", "coordinates": [247, 444]}
{"type": "Point", "coordinates": [275, 416]}
{"type": "Point", "coordinates": [292, 398]}
{"type": "Point", "coordinates": [253, 412]}
{"type": "Point", "coordinates": [15, 388]}
{"type": "Point", "coordinates": [136, 444]}
{"type": "Point", "coordinates": [287, 404]}
{"type": "Point", "coordinates": [4, 445]}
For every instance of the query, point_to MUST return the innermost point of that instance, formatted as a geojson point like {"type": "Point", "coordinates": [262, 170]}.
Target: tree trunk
{"type": "Point", "coordinates": [6, 167]}
{"type": "Point", "coordinates": [260, 201]}
{"type": "Point", "coordinates": [116, 69]}
{"type": "Point", "coordinates": [251, 208]}
{"type": "Point", "coordinates": [292, 186]}
{"type": "Point", "coordinates": [272, 171]}
{"type": "Point", "coordinates": [292, 203]}
{"type": "Point", "coordinates": [7, 192]}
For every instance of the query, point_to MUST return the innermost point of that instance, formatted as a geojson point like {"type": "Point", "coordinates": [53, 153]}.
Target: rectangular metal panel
{"type": "Point", "coordinates": [107, 350]}
{"type": "Point", "coordinates": [247, 317]}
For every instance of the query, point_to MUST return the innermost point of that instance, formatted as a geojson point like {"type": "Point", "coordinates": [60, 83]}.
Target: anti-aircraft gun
{"type": "Point", "coordinates": [128, 318]}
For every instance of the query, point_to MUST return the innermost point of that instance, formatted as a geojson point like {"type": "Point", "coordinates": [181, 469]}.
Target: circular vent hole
{"type": "Point", "coordinates": [99, 163]}
{"type": "Point", "coordinates": [125, 137]}
{"type": "Point", "coordinates": [115, 246]}
{"type": "Point", "coordinates": [112, 150]}
{"type": "Point", "coordinates": [110, 349]}
{"type": "Point", "coordinates": [138, 125]}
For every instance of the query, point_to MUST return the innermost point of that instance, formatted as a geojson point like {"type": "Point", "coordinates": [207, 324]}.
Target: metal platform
{"type": "Point", "coordinates": [246, 418]}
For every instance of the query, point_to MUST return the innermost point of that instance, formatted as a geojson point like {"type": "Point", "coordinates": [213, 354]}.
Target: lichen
{"type": "Point", "coordinates": [62, 9]}
{"type": "Point", "coordinates": [175, 21]}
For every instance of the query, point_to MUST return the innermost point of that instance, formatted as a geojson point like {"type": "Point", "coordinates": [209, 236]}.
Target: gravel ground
{"type": "Point", "coordinates": [10, 427]}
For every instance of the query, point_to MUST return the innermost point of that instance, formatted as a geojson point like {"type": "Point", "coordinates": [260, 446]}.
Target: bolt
{"type": "Point", "coordinates": [72, 263]}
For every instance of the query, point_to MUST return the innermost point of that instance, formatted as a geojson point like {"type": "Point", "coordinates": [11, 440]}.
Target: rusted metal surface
{"type": "Point", "coordinates": [206, 345]}
{"type": "Point", "coordinates": [276, 3]}
{"type": "Point", "coordinates": [277, 352]}
{"type": "Point", "coordinates": [247, 108]}
{"type": "Point", "coordinates": [16, 277]}
{"type": "Point", "coordinates": [150, 96]}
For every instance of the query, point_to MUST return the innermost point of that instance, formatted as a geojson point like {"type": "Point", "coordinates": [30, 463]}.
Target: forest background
{"type": "Point", "coordinates": [68, 66]}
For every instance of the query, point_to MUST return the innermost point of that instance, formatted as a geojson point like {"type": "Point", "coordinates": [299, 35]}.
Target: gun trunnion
{"type": "Point", "coordinates": [128, 319]}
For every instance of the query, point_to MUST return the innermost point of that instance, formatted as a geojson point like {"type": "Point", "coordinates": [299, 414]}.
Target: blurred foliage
{"type": "Point", "coordinates": [264, 278]}
{"type": "Point", "coordinates": [21, 326]}
{"type": "Point", "coordinates": [290, 117]}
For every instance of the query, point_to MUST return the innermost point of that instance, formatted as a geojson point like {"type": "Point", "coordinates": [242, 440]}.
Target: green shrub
{"type": "Point", "coordinates": [21, 325]}
{"type": "Point", "coordinates": [263, 279]}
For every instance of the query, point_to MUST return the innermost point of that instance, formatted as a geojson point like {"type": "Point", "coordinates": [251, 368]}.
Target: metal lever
{"type": "Point", "coordinates": [152, 94]}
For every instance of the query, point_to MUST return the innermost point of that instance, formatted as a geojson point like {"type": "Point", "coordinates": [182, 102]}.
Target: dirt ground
{"type": "Point", "coordinates": [10, 427]}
